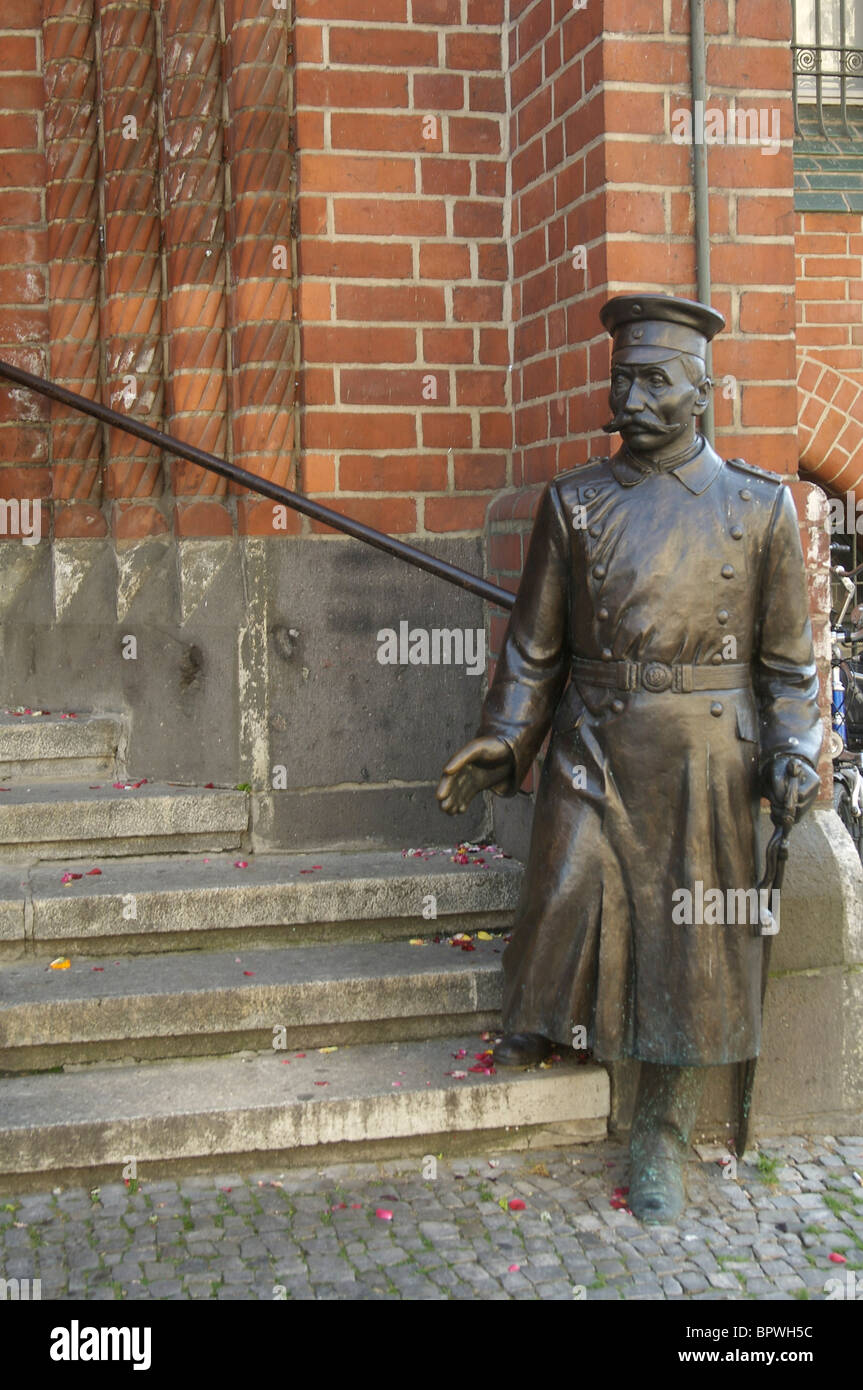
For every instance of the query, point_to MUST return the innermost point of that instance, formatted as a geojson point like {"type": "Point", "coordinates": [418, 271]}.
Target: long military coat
{"type": "Point", "coordinates": [648, 790]}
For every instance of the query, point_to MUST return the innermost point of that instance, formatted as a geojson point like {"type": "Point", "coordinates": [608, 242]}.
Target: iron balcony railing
{"type": "Point", "coordinates": [827, 66]}
{"type": "Point", "coordinates": [463, 579]}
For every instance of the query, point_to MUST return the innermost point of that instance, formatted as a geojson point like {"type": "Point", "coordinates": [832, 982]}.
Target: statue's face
{"type": "Point", "coordinates": [654, 403]}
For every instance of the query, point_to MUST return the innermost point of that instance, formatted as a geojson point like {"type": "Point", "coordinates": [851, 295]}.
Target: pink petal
{"type": "Point", "coordinates": [241, 863]}
{"type": "Point", "coordinates": [513, 1269]}
{"type": "Point", "coordinates": [322, 1083]}
{"type": "Point", "coordinates": [838, 1259]}
{"type": "Point", "coordinates": [299, 1054]}
{"type": "Point", "coordinates": [356, 1206]}
{"type": "Point", "coordinates": [383, 1214]}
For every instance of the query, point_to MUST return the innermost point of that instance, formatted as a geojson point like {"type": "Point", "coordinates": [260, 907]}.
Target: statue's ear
{"type": "Point", "coordinates": [702, 397]}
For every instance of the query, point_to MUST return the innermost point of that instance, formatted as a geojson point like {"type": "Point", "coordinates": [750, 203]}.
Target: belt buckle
{"type": "Point", "coordinates": [656, 676]}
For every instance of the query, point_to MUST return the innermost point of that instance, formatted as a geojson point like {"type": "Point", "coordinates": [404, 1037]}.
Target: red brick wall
{"type": "Point", "coordinates": [829, 248]}
{"type": "Point", "coordinates": [404, 261]}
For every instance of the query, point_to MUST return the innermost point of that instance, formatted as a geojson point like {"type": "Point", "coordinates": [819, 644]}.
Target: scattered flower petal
{"type": "Point", "coordinates": [61, 963]}
{"type": "Point", "coordinates": [516, 1204]}
{"type": "Point", "coordinates": [299, 1054]}
{"type": "Point", "coordinates": [328, 1049]}
{"type": "Point", "coordinates": [837, 1258]}
{"type": "Point", "coordinates": [248, 972]}
{"type": "Point", "coordinates": [91, 872]}
{"type": "Point", "coordinates": [484, 936]}
{"type": "Point", "coordinates": [68, 878]}
{"type": "Point", "coordinates": [241, 863]}
{"type": "Point", "coordinates": [383, 1214]}
{"type": "Point", "coordinates": [209, 786]}
{"type": "Point", "coordinates": [322, 1083]}
{"type": "Point", "coordinates": [356, 1206]}
{"type": "Point", "coordinates": [514, 1269]}
{"type": "Point", "coordinates": [97, 968]}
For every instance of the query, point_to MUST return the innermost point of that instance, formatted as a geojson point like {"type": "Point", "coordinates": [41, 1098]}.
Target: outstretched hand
{"type": "Point", "coordinates": [482, 763]}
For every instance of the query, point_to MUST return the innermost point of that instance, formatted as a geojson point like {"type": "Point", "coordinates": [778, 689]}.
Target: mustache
{"type": "Point", "coordinates": [621, 421]}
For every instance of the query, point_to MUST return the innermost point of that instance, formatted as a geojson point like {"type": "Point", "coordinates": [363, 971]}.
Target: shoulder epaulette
{"type": "Point", "coordinates": [579, 472]}
{"type": "Point", "coordinates": [764, 473]}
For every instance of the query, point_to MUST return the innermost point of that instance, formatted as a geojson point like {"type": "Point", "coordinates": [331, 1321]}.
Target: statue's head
{"type": "Point", "coordinates": [659, 381]}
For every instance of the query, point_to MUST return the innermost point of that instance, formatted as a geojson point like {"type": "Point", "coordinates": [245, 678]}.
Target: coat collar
{"type": "Point", "coordinates": [696, 475]}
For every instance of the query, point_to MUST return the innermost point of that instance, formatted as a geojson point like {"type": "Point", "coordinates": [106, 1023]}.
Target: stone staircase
{"type": "Point", "coordinates": [225, 1009]}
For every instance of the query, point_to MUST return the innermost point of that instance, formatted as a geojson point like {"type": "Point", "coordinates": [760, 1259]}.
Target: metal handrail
{"type": "Point", "coordinates": [464, 579]}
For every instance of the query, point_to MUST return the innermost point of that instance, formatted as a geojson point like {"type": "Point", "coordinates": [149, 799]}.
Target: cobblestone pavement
{"type": "Point", "coordinates": [769, 1233]}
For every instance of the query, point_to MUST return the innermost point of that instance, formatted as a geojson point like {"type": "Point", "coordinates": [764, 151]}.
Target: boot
{"type": "Point", "coordinates": [665, 1111]}
{"type": "Point", "coordinates": [522, 1050]}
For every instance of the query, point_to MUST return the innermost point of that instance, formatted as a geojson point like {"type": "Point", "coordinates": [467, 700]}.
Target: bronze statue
{"type": "Point", "coordinates": [661, 632]}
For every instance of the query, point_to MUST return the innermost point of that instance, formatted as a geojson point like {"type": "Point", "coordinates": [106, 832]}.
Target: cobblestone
{"type": "Point", "coordinates": [272, 1235]}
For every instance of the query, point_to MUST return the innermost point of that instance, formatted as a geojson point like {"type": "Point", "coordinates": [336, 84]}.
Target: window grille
{"type": "Point", "coordinates": [827, 53]}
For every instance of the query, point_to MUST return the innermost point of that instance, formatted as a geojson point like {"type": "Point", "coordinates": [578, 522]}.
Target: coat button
{"type": "Point", "coordinates": [746, 494]}
{"type": "Point", "coordinates": [618, 706]}
{"type": "Point", "coordinates": [727, 571]}
{"type": "Point", "coordinates": [716, 658]}
{"type": "Point", "coordinates": [722, 616]}
{"type": "Point", "coordinates": [736, 532]}
{"type": "Point", "coordinates": [594, 530]}
{"type": "Point", "coordinates": [607, 654]}
{"type": "Point", "coordinates": [590, 492]}
{"type": "Point", "coordinates": [599, 571]}
{"type": "Point", "coordinates": [716, 709]}
{"type": "Point", "coordinates": [602, 615]}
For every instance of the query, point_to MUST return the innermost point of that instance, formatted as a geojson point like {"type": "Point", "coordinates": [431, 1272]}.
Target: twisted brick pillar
{"type": "Point", "coordinates": [132, 321]}
{"type": "Point", "coordinates": [197, 388]}
{"type": "Point", "coordinates": [262, 325]}
{"type": "Point", "coordinates": [72, 214]}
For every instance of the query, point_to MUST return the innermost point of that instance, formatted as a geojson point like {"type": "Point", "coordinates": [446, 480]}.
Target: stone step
{"type": "Point", "coordinates": [356, 1103]}
{"type": "Point", "coordinates": [213, 1003]}
{"type": "Point", "coordinates": [49, 746]}
{"type": "Point", "coordinates": [63, 820]}
{"type": "Point", "coordinates": [176, 903]}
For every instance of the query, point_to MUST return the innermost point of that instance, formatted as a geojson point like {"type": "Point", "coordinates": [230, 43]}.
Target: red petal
{"type": "Point", "coordinates": [322, 1083]}
{"type": "Point", "coordinates": [383, 1214]}
{"type": "Point", "coordinates": [91, 872]}
{"type": "Point", "coordinates": [248, 972]}
{"type": "Point", "coordinates": [299, 1054]}
{"type": "Point", "coordinates": [97, 967]}
{"type": "Point", "coordinates": [356, 1206]}
{"type": "Point", "coordinates": [516, 1204]}
{"type": "Point", "coordinates": [838, 1259]}
{"type": "Point", "coordinates": [209, 785]}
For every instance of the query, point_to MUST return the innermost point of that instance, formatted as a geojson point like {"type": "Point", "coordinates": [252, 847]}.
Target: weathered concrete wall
{"type": "Point", "coordinates": [255, 655]}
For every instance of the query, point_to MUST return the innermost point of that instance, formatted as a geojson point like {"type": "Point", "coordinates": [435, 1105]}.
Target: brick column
{"type": "Point", "coordinates": [259, 61]}
{"type": "Point", "coordinates": [72, 212]}
{"type": "Point", "coordinates": [197, 382]}
{"type": "Point", "coordinates": [132, 319]}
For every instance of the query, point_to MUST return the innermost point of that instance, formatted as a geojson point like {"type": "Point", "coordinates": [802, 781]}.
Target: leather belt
{"type": "Point", "coordinates": [657, 676]}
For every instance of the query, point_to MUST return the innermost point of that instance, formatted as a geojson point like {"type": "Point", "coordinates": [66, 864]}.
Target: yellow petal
{"type": "Point", "coordinates": [484, 936]}
{"type": "Point", "coordinates": [61, 963]}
